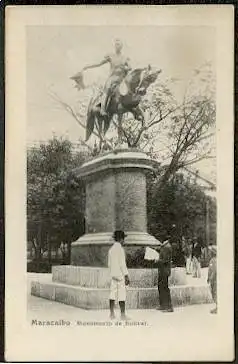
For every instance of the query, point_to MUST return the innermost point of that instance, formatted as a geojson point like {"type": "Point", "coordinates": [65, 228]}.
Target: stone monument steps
{"type": "Point", "coordinates": [99, 277]}
{"type": "Point", "coordinates": [137, 297]}
{"type": "Point", "coordinates": [88, 287]}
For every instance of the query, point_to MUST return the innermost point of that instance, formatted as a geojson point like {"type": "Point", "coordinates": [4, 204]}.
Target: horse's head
{"type": "Point", "coordinates": [79, 82]}
{"type": "Point", "coordinates": [147, 77]}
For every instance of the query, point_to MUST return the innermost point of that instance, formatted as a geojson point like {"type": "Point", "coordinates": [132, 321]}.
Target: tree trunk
{"type": "Point", "coordinates": [49, 252]}
{"type": "Point", "coordinates": [38, 257]}
{"type": "Point", "coordinates": [170, 171]}
{"type": "Point", "coordinates": [56, 253]}
{"type": "Point", "coordinates": [68, 252]}
{"type": "Point", "coordinates": [119, 130]}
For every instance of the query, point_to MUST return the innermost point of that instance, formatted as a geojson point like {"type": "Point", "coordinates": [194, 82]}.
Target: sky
{"type": "Point", "coordinates": [54, 53]}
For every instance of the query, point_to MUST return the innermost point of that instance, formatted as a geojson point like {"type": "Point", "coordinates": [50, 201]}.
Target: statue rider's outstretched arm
{"type": "Point", "coordinates": [105, 60]}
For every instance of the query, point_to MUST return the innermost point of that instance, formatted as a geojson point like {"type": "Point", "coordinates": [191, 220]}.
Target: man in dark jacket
{"type": "Point", "coordinates": [164, 271]}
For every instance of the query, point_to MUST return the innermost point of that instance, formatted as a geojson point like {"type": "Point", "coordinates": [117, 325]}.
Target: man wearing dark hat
{"type": "Point", "coordinates": [118, 273]}
{"type": "Point", "coordinates": [164, 271]}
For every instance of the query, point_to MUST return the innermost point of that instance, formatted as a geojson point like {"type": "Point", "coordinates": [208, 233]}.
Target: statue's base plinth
{"type": "Point", "coordinates": [92, 249]}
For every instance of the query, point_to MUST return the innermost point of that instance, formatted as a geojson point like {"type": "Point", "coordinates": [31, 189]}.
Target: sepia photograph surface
{"type": "Point", "coordinates": [119, 183]}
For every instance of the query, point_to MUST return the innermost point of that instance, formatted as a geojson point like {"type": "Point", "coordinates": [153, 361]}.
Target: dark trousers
{"type": "Point", "coordinates": [213, 285]}
{"type": "Point", "coordinates": [164, 292]}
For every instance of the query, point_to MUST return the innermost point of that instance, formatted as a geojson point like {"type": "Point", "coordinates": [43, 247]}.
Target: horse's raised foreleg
{"type": "Point", "coordinates": [99, 127]}
{"type": "Point", "coordinates": [119, 129]}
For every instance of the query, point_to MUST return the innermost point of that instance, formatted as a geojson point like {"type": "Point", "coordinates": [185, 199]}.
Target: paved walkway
{"type": "Point", "coordinates": [148, 336]}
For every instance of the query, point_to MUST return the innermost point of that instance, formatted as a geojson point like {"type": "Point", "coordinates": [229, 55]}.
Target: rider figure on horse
{"type": "Point", "coordinates": [119, 67]}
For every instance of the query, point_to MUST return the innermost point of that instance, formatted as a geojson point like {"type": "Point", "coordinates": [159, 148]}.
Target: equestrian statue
{"type": "Point", "coordinates": [122, 92]}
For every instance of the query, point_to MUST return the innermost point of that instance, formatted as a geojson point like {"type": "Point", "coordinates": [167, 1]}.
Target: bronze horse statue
{"type": "Point", "coordinates": [118, 103]}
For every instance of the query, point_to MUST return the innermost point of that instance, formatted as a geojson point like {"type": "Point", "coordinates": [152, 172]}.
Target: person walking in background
{"type": "Point", "coordinates": [164, 271]}
{"type": "Point", "coordinates": [212, 275]}
{"type": "Point", "coordinates": [118, 274]}
{"type": "Point", "coordinates": [196, 258]}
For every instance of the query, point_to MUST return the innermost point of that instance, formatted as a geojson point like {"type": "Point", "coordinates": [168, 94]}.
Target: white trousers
{"type": "Point", "coordinates": [118, 290]}
{"type": "Point", "coordinates": [196, 268]}
{"type": "Point", "coordinates": [189, 265]}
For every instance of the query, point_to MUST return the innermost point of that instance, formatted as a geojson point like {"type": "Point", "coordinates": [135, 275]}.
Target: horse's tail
{"type": "Point", "coordinates": [90, 120]}
{"type": "Point", "coordinates": [107, 117]}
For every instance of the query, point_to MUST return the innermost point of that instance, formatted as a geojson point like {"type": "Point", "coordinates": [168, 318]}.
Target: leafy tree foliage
{"type": "Point", "coordinates": [180, 206]}
{"type": "Point", "coordinates": [55, 196]}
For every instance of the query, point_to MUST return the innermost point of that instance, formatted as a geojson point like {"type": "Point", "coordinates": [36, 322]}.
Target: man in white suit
{"type": "Point", "coordinates": [118, 273]}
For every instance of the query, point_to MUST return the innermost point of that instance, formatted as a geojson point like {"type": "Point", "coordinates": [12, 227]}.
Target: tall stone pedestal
{"type": "Point", "coordinates": [115, 200]}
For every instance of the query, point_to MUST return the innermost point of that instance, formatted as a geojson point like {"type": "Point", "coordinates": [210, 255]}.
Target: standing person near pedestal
{"type": "Point", "coordinates": [196, 257]}
{"type": "Point", "coordinates": [212, 275]}
{"type": "Point", "coordinates": [164, 271]}
{"type": "Point", "coordinates": [188, 255]}
{"type": "Point", "coordinates": [118, 273]}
